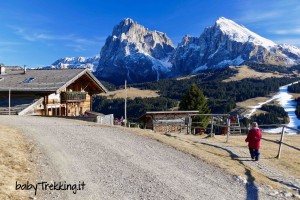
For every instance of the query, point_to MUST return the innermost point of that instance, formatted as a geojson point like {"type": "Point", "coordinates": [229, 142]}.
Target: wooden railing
{"type": "Point", "coordinates": [73, 96]}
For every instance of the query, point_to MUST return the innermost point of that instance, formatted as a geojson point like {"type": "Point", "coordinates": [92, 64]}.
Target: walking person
{"type": "Point", "coordinates": [253, 139]}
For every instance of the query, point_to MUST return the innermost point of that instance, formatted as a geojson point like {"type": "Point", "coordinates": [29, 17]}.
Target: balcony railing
{"type": "Point", "coordinates": [73, 96]}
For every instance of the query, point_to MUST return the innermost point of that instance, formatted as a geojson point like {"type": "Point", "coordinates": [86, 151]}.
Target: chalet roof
{"type": "Point", "coordinates": [39, 80]}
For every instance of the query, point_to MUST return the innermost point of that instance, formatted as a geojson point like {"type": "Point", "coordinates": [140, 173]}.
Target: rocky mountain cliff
{"type": "Point", "coordinates": [137, 54]}
{"type": "Point", "coordinates": [227, 43]}
{"type": "Point", "coordinates": [134, 53]}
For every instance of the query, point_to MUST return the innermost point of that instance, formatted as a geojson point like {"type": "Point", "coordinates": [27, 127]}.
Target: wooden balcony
{"type": "Point", "coordinates": [73, 96]}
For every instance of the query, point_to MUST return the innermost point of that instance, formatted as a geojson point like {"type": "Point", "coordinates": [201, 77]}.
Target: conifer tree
{"type": "Point", "coordinates": [195, 100]}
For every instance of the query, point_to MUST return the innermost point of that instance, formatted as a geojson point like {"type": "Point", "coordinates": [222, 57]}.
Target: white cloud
{"type": "Point", "coordinates": [276, 20]}
{"type": "Point", "coordinates": [267, 14]}
{"type": "Point", "coordinates": [71, 40]}
{"type": "Point", "coordinates": [257, 16]}
{"type": "Point", "coordinates": [9, 46]}
{"type": "Point", "coordinates": [10, 43]}
{"type": "Point", "coordinates": [293, 31]}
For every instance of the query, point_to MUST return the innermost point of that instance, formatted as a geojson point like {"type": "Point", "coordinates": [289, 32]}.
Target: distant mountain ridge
{"type": "Point", "coordinates": [137, 54]}
{"type": "Point", "coordinates": [90, 63]}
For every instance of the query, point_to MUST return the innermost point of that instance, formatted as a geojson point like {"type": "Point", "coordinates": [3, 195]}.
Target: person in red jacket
{"type": "Point", "coordinates": [253, 139]}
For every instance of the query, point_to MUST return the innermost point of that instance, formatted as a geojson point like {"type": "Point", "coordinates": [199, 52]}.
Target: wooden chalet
{"type": "Point", "coordinates": [165, 121]}
{"type": "Point", "coordinates": [63, 92]}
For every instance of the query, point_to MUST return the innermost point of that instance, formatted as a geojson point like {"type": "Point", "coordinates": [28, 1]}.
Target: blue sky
{"type": "Point", "coordinates": [38, 32]}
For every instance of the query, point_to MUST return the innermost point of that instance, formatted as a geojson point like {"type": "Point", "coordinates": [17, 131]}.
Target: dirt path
{"type": "Point", "coordinates": [117, 164]}
{"type": "Point", "coordinates": [241, 155]}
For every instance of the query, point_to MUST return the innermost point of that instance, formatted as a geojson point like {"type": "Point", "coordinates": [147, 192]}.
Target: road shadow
{"type": "Point", "coordinates": [290, 185]}
{"type": "Point", "coordinates": [251, 188]}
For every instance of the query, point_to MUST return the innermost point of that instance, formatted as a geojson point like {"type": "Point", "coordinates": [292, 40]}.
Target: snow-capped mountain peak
{"type": "Point", "coordinates": [240, 33]}
{"type": "Point", "coordinates": [144, 40]}
{"type": "Point", "coordinates": [228, 43]}
{"type": "Point", "coordinates": [135, 52]}
{"type": "Point", "coordinates": [138, 54]}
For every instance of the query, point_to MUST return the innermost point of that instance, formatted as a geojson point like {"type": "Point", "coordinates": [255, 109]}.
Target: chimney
{"type": "Point", "coordinates": [2, 70]}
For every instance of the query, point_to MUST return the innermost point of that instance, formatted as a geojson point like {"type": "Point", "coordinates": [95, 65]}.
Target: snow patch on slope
{"type": "Point", "coordinates": [200, 68]}
{"type": "Point", "coordinates": [235, 62]}
{"type": "Point", "coordinates": [291, 49]}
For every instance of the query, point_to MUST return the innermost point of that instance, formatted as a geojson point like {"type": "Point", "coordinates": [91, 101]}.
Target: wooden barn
{"type": "Point", "coordinates": [61, 92]}
{"type": "Point", "coordinates": [165, 121]}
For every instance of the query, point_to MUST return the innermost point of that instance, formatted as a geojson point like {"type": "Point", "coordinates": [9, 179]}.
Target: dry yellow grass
{"type": "Point", "coordinates": [15, 164]}
{"type": "Point", "coordinates": [295, 95]}
{"type": "Point", "coordinates": [252, 102]}
{"type": "Point", "coordinates": [245, 72]}
{"type": "Point", "coordinates": [131, 93]}
{"type": "Point", "coordinates": [288, 164]}
{"type": "Point", "coordinates": [249, 103]}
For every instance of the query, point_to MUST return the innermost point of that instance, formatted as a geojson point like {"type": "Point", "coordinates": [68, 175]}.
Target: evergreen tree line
{"type": "Point", "coordinates": [294, 88]}
{"type": "Point", "coordinates": [273, 68]}
{"type": "Point", "coordinates": [216, 89]}
{"type": "Point", "coordinates": [135, 107]}
{"type": "Point", "coordinates": [222, 96]}
{"type": "Point", "coordinates": [274, 115]}
{"type": "Point", "coordinates": [297, 111]}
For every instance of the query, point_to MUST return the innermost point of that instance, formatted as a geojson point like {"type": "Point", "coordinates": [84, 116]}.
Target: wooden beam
{"type": "Point", "coordinates": [66, 109]}
{"type": "Point", "coordinates": [91, 102]}
{"type": "Point", "coordinates": [280, 143]}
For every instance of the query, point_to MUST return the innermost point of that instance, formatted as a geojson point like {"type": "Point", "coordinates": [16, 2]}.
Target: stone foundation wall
{"type": "Point", "coordinates": [167, 128]}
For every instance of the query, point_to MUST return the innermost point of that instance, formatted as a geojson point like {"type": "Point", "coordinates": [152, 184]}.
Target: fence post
{"type": "Point", "coordinates": [280, 143]}
{"type": "Point", "coordinates": [167, 127]}
{"type": "Point", "coordinates": [189, 126]}
{"type": "Point", "coordinates": [190, 121]}
{"type": "Point", "coordinates": [9, 101]}
{"type": "Point", "coordinates": [212, 127]}
{"type": "Point", "coordinates": [228, 129]}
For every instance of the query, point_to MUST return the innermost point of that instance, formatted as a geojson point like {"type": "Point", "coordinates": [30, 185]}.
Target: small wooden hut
{"type": "Point", "coordinates": [165, 121]}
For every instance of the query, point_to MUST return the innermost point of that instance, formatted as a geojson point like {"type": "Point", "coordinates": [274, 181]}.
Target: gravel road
{"type": "Point", "coordinates": [117, 164]}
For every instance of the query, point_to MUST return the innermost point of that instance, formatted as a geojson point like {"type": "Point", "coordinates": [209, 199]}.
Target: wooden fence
{"type": "Point", "coordinates": [226, 123]}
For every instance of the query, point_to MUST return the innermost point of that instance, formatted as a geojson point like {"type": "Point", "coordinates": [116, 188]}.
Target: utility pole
{"type": "Point", "coordinates": [125, 114]}
{"type": "Point", "coordinates": [9, 101]}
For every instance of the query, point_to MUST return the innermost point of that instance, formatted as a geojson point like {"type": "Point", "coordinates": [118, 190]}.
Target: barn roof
{"type": "Point", "coordinates": [173, 112]}
{"type": "Point", "coordinates": [176, 112]}
{"type": "Point", "coordinates": [39, 80]}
